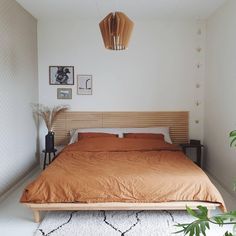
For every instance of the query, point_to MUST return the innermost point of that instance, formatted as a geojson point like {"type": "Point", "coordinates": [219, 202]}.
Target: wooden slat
{"type": "Point", "coordinates": [177, 205]}
{"type": "Point", "coordinates": [177, 121]}
{"type": "Point", "coordinates": [83, 120]}
{"type": "Point", "coordinates": [59, 128]}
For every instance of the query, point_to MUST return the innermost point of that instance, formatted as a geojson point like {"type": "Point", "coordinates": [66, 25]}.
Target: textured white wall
{"type": "Point", "coordinates": [158, 71]}
{"type": "Point", "coordinates": [18, 88]}
{"type": "Point", "coordinates": [220, 112]}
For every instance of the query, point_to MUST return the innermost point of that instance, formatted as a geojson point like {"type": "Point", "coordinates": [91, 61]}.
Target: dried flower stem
{"type": "Point", "coordinates": [48, 114]}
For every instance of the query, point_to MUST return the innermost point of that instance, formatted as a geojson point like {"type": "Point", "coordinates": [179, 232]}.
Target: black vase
{"type": "Point", "coordinates": [49, 141]}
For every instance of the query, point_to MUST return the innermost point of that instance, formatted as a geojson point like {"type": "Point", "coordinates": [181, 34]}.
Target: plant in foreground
{"type": "Point", "coordinates": [202, 223]}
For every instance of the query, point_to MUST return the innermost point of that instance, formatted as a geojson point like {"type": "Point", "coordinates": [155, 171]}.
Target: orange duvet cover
{"type": "Point", "coordinates": [121, 170]}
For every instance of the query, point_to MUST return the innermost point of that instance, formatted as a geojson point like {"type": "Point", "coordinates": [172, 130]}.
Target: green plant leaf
{"type": "Point", "coordinates": [203, 212]}
{"type": "Point", "coordinates": [203, 228]}
{"type": "Point", "coordinates": [233, 140]}
{"type": "Point", "coordinates": [197, 230]}
{"type": "Point", "coordinates": [228, 234]}
{"type": "Point", "coordinates": [219, 220]}
{"type": "Point", "coordinates": [232, 133]}
{"type": "Point", "coordinates": [201, 225]}
{"type": "Point", "coordinates": [231, 216]}
{"type": "Point", "coordinates": [192, 212]}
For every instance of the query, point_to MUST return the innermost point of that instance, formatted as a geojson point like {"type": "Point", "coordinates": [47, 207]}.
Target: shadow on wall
{"type": "Point", "coordinates": [37, 143]}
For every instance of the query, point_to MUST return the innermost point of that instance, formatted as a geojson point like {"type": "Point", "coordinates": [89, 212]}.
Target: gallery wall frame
{"type": "Point", "coordinates": [84, 84]}
{"type": "Point", "coordinates": [64, 93]}
{"type": "Point", "coordinates": [61, 75]}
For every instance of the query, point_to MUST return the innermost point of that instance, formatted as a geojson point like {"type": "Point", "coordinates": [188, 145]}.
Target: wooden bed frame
{"type": "Point", "coordinates": [178, 122]}
{"type": "Point", "coordinates": [116, 206]}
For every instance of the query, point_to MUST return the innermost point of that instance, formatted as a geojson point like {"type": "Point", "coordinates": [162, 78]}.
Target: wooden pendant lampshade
{"type": "Point", "coordinates": [116, 29]}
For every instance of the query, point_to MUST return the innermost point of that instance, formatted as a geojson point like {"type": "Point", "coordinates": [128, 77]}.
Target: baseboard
{"type": "Point", "coordinates": [219, 181]}
{"type": "Point", "coordinates": [15, 185]}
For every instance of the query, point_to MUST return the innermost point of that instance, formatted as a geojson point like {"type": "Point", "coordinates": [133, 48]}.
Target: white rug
{"type": "Point", "coordinates": [117, 223]}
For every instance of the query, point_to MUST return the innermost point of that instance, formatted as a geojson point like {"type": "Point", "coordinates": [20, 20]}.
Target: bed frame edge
{"type": "Point", "coordinates": [37, 208]}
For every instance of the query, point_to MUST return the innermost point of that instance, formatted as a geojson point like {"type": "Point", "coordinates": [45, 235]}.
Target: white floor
{"type": "Point", "coordinates": [16, 220]}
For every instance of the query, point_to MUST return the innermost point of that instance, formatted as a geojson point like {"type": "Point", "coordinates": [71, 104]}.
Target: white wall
{"type": "Point", "coordinates": [19, 87]}
{"type": "Point", "coordinates": [220, 112]}
{"type": "Point", "coordinates": [158, 72]}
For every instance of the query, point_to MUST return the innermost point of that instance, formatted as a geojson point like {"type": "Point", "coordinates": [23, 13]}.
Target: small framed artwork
{"type": "Point", "coordinates": [84, 84]}
{"type": "Point", "coordinates": [64, 93]}
{"type": "Point", "coordinates": [59, 75]}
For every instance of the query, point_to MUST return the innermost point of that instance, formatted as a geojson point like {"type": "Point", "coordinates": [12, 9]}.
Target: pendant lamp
{"type": "Point", "coordinates": [116, 29]}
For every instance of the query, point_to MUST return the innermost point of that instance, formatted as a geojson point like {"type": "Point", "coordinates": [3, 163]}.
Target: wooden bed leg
{"type": "Point", "coordinates": [36, 216]}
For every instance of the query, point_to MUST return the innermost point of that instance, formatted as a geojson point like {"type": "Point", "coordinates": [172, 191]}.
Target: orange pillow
{"type": "Point", "coordinates": [144, 136]}
{"type": "Point", "coordinates": [95, 135]}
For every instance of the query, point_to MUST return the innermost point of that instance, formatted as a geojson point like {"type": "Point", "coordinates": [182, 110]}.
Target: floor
{"type": "Point", "coordinates": [15, 219]}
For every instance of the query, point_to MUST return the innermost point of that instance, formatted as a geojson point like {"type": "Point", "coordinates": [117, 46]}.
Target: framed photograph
{"type": "Point", "coordinates": [84, 84]}
{"type": "Point", "coordinates": [61, 75]}
{"type": "Point", "coordinates": [64, 93]}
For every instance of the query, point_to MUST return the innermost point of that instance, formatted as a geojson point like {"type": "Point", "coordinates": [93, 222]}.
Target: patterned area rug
{"type": "Point", "coordinates": [116, 223]}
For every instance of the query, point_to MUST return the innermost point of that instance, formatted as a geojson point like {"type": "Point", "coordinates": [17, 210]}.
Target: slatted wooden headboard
{"type": "Point", "coordinates": [177, 121]}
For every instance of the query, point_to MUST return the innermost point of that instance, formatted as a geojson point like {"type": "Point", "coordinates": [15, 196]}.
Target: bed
{"type": "Point", "coordinates": [112, 173]}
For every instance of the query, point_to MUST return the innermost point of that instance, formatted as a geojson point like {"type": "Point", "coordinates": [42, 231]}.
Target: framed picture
{"type": "Point", "coordinates": [84, 84]}
{"type": "Point", "coordinates": [64, 93]}
{"type": "Point", "coordinates": [59, 75]}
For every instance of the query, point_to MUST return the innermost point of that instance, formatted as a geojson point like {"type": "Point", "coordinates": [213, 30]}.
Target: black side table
{"type": "Point", "coordinates": [198, 148]}
{"type": "Point", "coordinates": [47, 153]}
